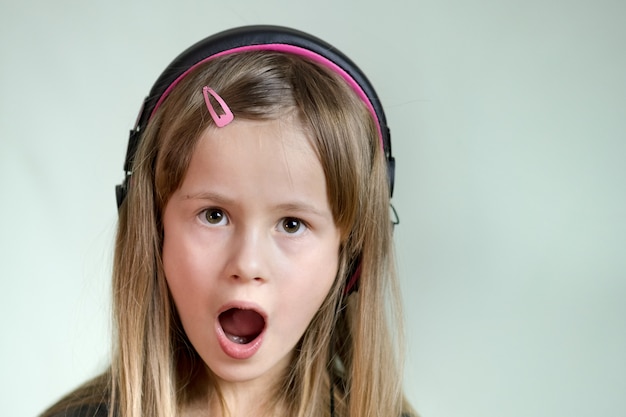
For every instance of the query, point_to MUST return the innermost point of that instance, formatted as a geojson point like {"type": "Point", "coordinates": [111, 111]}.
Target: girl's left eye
{"type": "Point", "coordinates": [213, 216]}
{"type": "Point", "coordinates": [292, 225]}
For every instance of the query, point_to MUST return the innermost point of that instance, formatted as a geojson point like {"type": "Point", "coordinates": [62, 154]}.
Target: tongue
{"type": "Point", "coordinates": [241, 326]}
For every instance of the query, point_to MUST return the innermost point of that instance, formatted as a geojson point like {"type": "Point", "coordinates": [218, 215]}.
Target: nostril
{"type": "Point", "coordinates": [243, 277]}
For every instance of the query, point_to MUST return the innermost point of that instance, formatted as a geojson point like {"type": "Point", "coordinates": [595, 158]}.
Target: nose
{"type": "Point", "coordinates": [249, 256]}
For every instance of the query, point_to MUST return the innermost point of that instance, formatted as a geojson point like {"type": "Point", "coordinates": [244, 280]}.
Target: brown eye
{"type": "Point", "coordinates": [291, 225]}
{"type": "Point", "coordinates": [214, 216]}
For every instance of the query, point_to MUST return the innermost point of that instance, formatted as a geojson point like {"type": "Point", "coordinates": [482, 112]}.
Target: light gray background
{"type": "Point", "coordinates": [509, 124]}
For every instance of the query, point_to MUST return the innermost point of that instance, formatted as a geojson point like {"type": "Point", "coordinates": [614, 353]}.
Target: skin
{"type": "Point", "coordinates": [250, 226]}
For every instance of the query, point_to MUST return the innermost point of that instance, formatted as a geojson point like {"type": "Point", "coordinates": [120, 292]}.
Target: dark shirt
{"type": "Point", "coordinates": [100, 411]}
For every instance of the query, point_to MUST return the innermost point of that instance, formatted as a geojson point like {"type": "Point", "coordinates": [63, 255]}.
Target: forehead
{"type": "Point", "coordinates": [257, 139]}
{"type": "Point", "coordinates": [256, 159]}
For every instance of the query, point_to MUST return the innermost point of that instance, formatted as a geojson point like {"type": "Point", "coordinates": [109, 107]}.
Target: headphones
{"type": "Point", "coordinates": [258, 38]}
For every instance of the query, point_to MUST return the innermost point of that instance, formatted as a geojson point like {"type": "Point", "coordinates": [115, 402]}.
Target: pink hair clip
{"type": "Point", "coordinates": [222, 119]}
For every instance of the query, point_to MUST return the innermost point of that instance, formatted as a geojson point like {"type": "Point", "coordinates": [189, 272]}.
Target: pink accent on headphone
{"type": "Point", "coordinates": [220, 120]}
{"type": "Point", "coordinates": [354, 278]}
{"type": "Point", "coordinates": [291, 49]}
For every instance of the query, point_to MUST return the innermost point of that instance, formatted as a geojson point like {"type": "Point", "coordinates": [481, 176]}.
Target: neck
{"type": "Point", "coordinates": [243, 399]}
{"type": "Point", "coordinates": [216, 397]}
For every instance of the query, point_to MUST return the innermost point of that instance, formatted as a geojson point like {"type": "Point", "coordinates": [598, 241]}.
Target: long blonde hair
{"type": "Point", "coordinates": [349, 359]}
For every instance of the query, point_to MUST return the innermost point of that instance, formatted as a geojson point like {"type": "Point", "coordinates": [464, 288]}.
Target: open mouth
{"type": "Point", "coordinates": [241, 326]}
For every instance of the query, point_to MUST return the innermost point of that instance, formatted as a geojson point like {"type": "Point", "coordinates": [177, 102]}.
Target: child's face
{"type": "Point", "coordinates": [250, 247]}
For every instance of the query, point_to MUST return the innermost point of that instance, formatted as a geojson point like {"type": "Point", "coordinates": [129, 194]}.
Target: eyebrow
{"type": "Point", "coordinates": [302, 207]}
{"type": "Point", "coordinates": [204, 195]}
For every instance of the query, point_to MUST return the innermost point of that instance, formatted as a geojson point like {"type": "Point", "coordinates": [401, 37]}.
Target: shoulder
{"type": "Point", "coordinates": [92, 399]}
{"type": "Point", "coordinates": [91, 410]}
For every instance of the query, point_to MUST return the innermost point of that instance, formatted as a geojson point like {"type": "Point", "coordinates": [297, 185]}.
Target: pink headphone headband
{"type": "Point", "coordinates": [290, 49]}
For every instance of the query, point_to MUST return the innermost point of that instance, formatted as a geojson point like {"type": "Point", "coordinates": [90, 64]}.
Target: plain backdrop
{"type": "Point", "coordinates": [508, 121]}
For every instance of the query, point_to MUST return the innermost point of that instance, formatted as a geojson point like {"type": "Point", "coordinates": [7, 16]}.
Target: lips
{"type": "Point", "coordinates": [240, 328]}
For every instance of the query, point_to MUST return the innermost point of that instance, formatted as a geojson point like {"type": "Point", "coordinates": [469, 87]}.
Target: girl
{"type": "Point", "coordinates": [253, 271]}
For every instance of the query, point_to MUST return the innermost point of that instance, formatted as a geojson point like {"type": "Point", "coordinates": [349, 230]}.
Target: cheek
{"type": "Point", "coordinates": [186, 273]}
{"type": "Point", "coordinates": [304, 294]}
